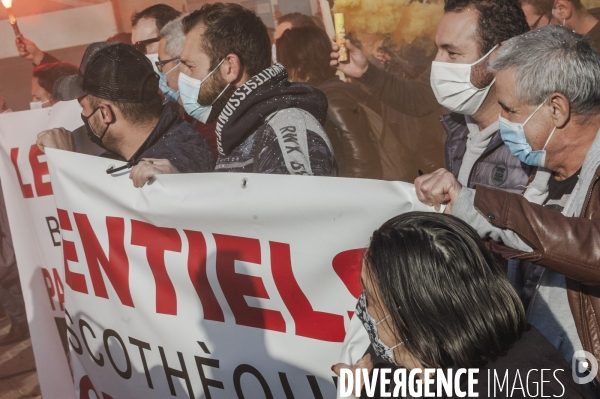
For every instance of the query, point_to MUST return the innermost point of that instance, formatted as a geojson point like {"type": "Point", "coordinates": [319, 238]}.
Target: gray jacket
{"type": "Point", "coordinates": [497, 167]}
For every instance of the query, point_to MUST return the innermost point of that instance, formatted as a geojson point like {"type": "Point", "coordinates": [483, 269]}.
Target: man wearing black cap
{"type": "Point", "coordinates": [122, 110]}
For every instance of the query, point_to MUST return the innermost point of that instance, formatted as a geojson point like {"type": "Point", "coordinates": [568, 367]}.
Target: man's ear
{"type": "Point", "coordinates": [232, 69]}
{"type": "Point", "coordinates": [562, 11]}
{"type": "Point", "coordinates": [561, 109]}
{"type": "Point", "coordinates": [107, 113]}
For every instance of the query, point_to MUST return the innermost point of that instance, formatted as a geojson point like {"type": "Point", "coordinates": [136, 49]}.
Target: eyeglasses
{"type": "Point", "coordinates": [161, 64]}
{"type": "Point", "coordinates": [141, 45]}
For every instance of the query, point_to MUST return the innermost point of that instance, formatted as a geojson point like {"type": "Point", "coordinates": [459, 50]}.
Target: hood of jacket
{"type": "Point", "coordinates": [262, 95]}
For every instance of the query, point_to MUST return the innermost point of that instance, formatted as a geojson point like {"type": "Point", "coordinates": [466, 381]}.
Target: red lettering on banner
{"type": "Point", "coordinates": [309, 323]}
{"type": "Point", "coordinates": [49, 287]}
{"type": "Point", "coordinates": [26, 189]}
{"type": "Point", "coordinates": [348, 265]}
{"type": "Point", "coordinates": [115, 266]}
{"type": "Point", "coordinates": [235, 285]}
{"type": "Point", "coordinates": [74, 280]}
{"type": "Point", "coordinates": [157, 240]}
{"type": "Point", "coordinates": [197, 271]}
{"type": "Point", "coordinates": [85, 386]}
{"type": "Point", "coordinates": [60, 292]}
{"type": "Point", "coordinates": [40, 169]}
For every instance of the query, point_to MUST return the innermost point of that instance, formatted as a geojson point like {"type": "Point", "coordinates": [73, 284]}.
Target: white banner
{"type": "Point", "coordinates": [36, 236]}
{"type": "Point", "coordinates": [212, 285]}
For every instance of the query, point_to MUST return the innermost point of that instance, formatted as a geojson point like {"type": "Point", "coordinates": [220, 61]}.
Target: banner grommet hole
{"type": "Point", "coordinates": [244, 182]}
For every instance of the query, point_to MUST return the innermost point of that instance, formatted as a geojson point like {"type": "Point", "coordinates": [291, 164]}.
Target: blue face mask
{"type": "Point", "coordinates": [513, 135]}
{"type": "Point", "coordinates": [189, 89]}
{"type": "Point", "coordinates": [170, 94]}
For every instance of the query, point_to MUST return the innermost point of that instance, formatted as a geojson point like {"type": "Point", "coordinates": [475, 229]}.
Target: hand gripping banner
{"type": "Point", "coordinates": [211, 285]}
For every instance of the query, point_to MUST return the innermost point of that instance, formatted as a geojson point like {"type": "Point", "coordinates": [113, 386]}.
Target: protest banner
{"type": "Point", "coordinates": [36, 237]}
{"type": "Point", "coordinates": [212, 285]}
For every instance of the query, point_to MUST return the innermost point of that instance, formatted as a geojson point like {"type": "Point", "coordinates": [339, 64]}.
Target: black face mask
{"type": "Point", "coordinates": [94, 138]}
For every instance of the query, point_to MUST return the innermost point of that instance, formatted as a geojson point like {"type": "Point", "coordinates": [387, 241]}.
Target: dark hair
{"type": "Point", "coordinates": [499, 20]}
{"type": "Point", "coordinates": [448, 299]}
{"type": "Point", "coordinates": [232, 29]}
{"type": "Point", "coordinates": [47, 74]}
{"type": "Point", "coordinates": [296, 19]}
{"type": "Point", "coordinates": [306, 51]}
{"type": "Point", "coordinates": [540, 7]}
{"type": "Point", "coordinates": [134, 113]}
{"type": "Point", "coordinates": [161, 13]}
{"type": "Point", "coordinates": [121, 37]}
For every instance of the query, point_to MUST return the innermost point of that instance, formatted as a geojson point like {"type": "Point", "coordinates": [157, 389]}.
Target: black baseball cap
{"type": "Point", "coordinates": [111, 71]}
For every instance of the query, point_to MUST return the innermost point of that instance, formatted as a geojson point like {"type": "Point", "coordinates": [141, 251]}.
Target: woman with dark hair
{"type": "Point", "coordinates": [305, 53]}
{"type": "Point", "coordinates": [434, 297]}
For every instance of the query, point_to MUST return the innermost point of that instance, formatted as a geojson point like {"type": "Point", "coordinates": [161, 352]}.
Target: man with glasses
{"type": "Point", "coordinates": [123, 113]}
{"type": "Point", "coordinates": [146, 26]}
{"type": "Point", "coordinates": [171, 39]}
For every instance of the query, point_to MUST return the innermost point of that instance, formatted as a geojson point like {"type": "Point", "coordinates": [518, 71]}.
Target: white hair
{"type": "Point", "coordinates": [553, 59]}
{"type": "Point", "coordinates": [174, 36]}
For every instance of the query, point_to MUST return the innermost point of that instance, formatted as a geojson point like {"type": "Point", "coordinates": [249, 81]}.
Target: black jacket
{"type": "Point", "coordinates": [349, 130]}
{"type": "Point", "coordinates": [176, 140]}
{"type": "Point", "coordinates": [268, 106]}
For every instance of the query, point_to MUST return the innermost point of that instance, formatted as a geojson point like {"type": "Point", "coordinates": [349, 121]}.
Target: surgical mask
{"type": "Point", "coordinates": [170, 94]}
{"type": "Point", "coordinates": [274, 53]}
{"type": "Point", "coordinates": [94, 138]}
{"type": "Point", "coordinates": [371, 325]}
{"type": "Point", "coordinates": [189, 90]}
{"type": "Point", "coordinates": [513, 135]}
{"type": "Point", "coordinates": [153, 58]}
{"type": "Point", "coordinates": [37, 104]}
{"type": "Point", "coordinates": [451, 84]}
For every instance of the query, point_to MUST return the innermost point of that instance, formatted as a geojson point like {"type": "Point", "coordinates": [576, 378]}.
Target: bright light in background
{"type": "Point", "coordinates": [7, 3]}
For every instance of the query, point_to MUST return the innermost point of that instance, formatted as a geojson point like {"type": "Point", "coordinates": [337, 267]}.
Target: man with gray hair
{"type": "Point", "coordinates": [547, 86]}
{"type": "Point", "coordinates": [170, 46]}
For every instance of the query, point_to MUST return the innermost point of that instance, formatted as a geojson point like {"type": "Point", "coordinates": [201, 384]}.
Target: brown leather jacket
{"type": "Point", "coordinates": [569, 246]}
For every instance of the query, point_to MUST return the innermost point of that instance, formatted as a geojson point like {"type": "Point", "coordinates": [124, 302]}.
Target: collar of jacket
{"type": "Point", "coordinates": [538, 189]}
{"type": "Point", "coordinates": [264, 94]}
{"type": "Point", "coordinates": [166, 121]}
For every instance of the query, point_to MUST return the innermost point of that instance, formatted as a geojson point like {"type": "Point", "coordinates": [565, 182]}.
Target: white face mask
{"type": "Point", "coordinates": [451, 84]}
{"type": "Point", "coordinates": [37, 104]}
{"type": "Point", "coordinates": [153, 58]}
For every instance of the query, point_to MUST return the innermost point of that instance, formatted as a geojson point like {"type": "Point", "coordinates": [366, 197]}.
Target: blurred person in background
{"type": "Point", "coordinates": [467, 35]}
{"type": "Point", "coordinates": [289, 21]}
{"type": "Point", "coordinates": [538, 12]}
{"type": "Point", "coordinates": [43, 80]}
{"type": "Point", "coordinates": [123, 113]}
{"type": "Point", "coordinates": [463, 315]}
{"type": "Point", "coordinates": [304, 52]}
{"type": "Point", "coordinates": [265, 123]}
{"type": "Point", "coordinates": [146, 26]}
{"type": "Point", "coordinates": [571, 14]}
{"type": "Point", "coordinates": [169, 52]}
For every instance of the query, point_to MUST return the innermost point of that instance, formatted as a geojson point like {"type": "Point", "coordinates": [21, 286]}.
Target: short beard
{"type": "Point", "coordinates": [210, 91]}
{"type": "Point", "coordinates": [480, 76]}
{"type": "Point", "coordinates": [110, 142]}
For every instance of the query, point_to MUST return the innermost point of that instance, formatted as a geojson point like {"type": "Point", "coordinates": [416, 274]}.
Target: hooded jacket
{"type": "Point", "coordinates": [270, 125]}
